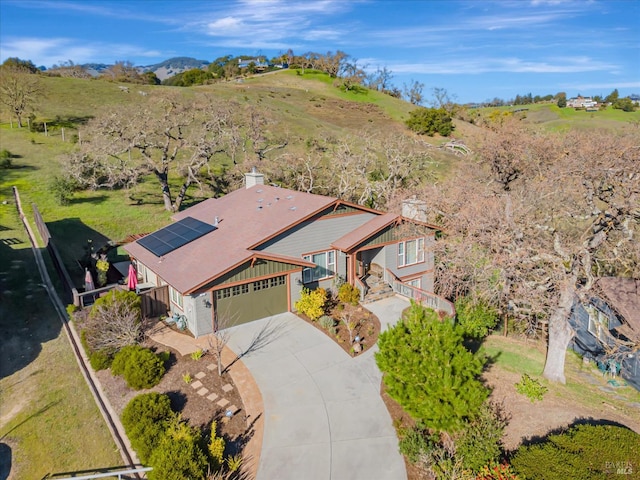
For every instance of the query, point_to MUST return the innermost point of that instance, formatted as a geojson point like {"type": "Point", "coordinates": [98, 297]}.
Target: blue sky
{"type": "Point", "coordinates": [475, 49]}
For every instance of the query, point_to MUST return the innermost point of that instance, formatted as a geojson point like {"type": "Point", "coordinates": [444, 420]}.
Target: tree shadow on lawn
{"type": "Point", "coordinates": [94, 200]}
{"type": "Point", "coordinates": [73, 239]}
{"type": "Point", "coordinates": [24, 325]}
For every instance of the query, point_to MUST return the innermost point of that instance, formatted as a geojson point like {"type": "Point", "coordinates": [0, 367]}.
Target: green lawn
{"type": "Point", "coordinates": [510, 355]}
{"type": "Point", "coordinates": [48, 417]}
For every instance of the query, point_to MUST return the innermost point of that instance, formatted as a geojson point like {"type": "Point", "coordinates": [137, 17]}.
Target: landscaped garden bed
{"type": "Point", "coordinates": [341, 317]}
{"type": "Point", "coordinates": [199, 405]}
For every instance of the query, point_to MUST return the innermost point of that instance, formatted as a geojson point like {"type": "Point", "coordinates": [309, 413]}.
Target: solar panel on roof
{"type": "Point", "coordinates": [174, 236]}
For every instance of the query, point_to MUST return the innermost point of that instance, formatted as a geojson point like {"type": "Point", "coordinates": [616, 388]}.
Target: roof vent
{"type": "Point", "coordinates": [216, 221]}
{"type": "Point", "coordinates": [289, 197]}
{"type": "Point", "coordinates": [293, 208]}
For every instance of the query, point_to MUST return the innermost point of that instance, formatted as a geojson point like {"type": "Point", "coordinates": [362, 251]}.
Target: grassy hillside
{"type": "Point", "coordinates": [551, 117]}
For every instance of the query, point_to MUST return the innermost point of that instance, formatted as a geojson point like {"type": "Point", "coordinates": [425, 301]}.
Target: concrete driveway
{"type": "Point", "coordinates": [324, 418]}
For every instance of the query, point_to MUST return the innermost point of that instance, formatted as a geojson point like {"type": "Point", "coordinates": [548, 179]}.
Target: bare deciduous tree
{"type": "Point", "coordinates": [220, 336]}
{"type": "Point", "coordinates": [529, 230]}
{"type": "Point", "coordinates": [163, 135]}
{"type": "Point", "coordinates": [19, 90]}
{"type": "Point", "coordinates": [114, 323]}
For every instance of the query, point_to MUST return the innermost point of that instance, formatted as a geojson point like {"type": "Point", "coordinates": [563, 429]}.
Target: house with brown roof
{"type": "Point", "coordinates": [607, 327]}
{"type": "Point", "coordinates": [249, 254]}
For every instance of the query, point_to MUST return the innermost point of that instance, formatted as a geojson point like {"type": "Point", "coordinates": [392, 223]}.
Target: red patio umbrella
{"type": "Point", "coordinates": [88, 281]}
{"type": "Point", "coordinates": [132, 280]}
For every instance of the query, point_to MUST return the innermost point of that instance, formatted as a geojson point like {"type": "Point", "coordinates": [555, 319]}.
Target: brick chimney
{"type": "Point", "coordinates": [253, 178]}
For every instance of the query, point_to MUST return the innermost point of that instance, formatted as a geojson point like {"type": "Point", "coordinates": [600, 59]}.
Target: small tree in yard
{"type": "Point", "coordinates": [429, 372]}
{"type": "Point", "coordinates": [220, 337]}
{"type": "Point", "coordinates": [350, 324]}
{"type": "Point", "coordinates": [114, 322]}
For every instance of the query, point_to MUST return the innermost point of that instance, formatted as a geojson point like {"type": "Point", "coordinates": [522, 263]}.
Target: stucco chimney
{"type": "Point", "coordinates": [253, 178]}
{"type": "Point", "coordinates": [414, 209]}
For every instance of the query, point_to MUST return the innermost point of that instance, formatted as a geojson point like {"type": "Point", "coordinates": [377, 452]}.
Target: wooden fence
{"type": "Point", "coordinates": [71, 292]}
{"type": "Point", "coordinates": [155, 302]}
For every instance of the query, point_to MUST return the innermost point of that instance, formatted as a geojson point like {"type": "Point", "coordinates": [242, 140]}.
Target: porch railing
{"type": "Point", "coordinates": [427, 299]}
{"type": "Point", "coordinates": [363, 288]}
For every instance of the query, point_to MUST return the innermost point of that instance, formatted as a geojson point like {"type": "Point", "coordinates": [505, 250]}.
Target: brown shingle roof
{"type": "Point", "coordinates": [246, 217]}
{"type": "Point", "coordinates": [360, 234]}
{"type": "Point", "coordinates": [623, 295]}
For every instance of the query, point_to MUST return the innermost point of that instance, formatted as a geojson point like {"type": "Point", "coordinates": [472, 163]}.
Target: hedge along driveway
{"type": "Point", "coordinates": [324, 418]}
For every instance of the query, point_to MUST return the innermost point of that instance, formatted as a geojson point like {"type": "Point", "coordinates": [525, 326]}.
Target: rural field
{"type": "Point", "coordinates": [49, 422]}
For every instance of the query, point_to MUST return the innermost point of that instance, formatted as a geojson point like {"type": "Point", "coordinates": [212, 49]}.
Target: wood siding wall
{"type": "Point", "coordinates": [315, 235]}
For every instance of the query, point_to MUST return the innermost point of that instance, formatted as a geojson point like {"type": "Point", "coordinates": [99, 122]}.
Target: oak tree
{"type": "Point", "coordinates": [164, 135]}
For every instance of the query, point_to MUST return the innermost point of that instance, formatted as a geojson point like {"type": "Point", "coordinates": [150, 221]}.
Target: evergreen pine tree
{"type": "Point", "coordinates": [429, 372]}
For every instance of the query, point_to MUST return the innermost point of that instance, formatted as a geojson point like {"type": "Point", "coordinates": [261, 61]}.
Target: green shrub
{"type": "Point", "coordinates": [531, 388]}
{"type": "Point", "coordinates": [145, 419]}
{"type": "Point", "coordinates": [475, 318]}
{"type": "Point", "coordinates": [428, 121]}
{"type": "Point", "coordinates": [164, 356]}
{"type": "Point", "coordinates": [326, 322]}
{"type": "Point", "coordinates": [347, 293]}
{"type": "Point", "coordinates": [480, 443]}
{"type": "Point", "coordinates": [5, 158]}
{"type": "Point", "coordinates": [216, 448]}
{"type": "Point", "coordinates": [140, 367]}
{"type": "Point", "coordinates": [98, 359]}
{"type": "Point", "coordinates": [312, 303]}
{"type": "Point", "coordinates": [71, 309]}
{"type": "Point", "coordinates": [178, 454]}
{"type": "Point", "coordinates": [413, 443]}
{"type": "Point", "coordinates": [63, 189]}
{"type": "Point", "coordinates": [234, 462]}
{"type": "Point", "coordinates": [197, 355]}
{"type": "Point", "coordinates": [584, 451]}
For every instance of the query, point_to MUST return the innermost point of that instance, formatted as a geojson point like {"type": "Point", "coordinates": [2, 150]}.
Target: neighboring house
{"type": "Point", "coordinates": [608, 327]}
{"type": "Point", "coordinates": [249, 254]}
{"type": "Point", "coordinates": [258, 63]}
{"type": "Point", "coordinates": [581, 102]}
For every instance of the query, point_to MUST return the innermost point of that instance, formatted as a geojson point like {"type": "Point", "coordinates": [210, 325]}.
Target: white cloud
{"type": "Point", "coordinates": [478, 65]}
{"type": "Point", "coordinates": [50, 51]}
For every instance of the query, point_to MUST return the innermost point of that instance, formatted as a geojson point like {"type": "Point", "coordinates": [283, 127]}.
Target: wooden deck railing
{"type": "Point", "coordinates": [427, 299]}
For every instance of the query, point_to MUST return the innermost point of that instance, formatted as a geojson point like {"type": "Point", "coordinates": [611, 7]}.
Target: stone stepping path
{"type": "Point", "coordinates": [212, 396]}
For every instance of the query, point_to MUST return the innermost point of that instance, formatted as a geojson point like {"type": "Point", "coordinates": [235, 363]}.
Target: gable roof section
{"type": "Point", "coordinates": [246, 217]}
{"type": "Point", "coordinates": [623, 295]}
{"type": "Point", "coordinates": [352, 239]}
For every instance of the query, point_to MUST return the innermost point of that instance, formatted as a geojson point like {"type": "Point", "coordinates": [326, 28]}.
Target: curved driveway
{"type": "Point", "coordinates": [324, 418]}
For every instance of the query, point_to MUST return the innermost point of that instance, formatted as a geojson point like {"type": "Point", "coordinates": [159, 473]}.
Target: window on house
{"type": "Point", "coordinates": [598, 323]}
{"type": "Point", "coordinates": [411, 252]}
{"type": "Point", "coordinates": [176, 297]}
{"type": "Point", "coordinates": [325, 266]}
{"type": "Point", "coordinates": [416, 282]}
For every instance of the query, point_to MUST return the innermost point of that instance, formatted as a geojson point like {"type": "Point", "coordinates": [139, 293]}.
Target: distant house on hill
{"type": "Point", "coordinates": [608, 327]}
{"type": "Point", "coordinates": [258, 63]}
{"type": "Point", "coordinates": [581, 102]}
